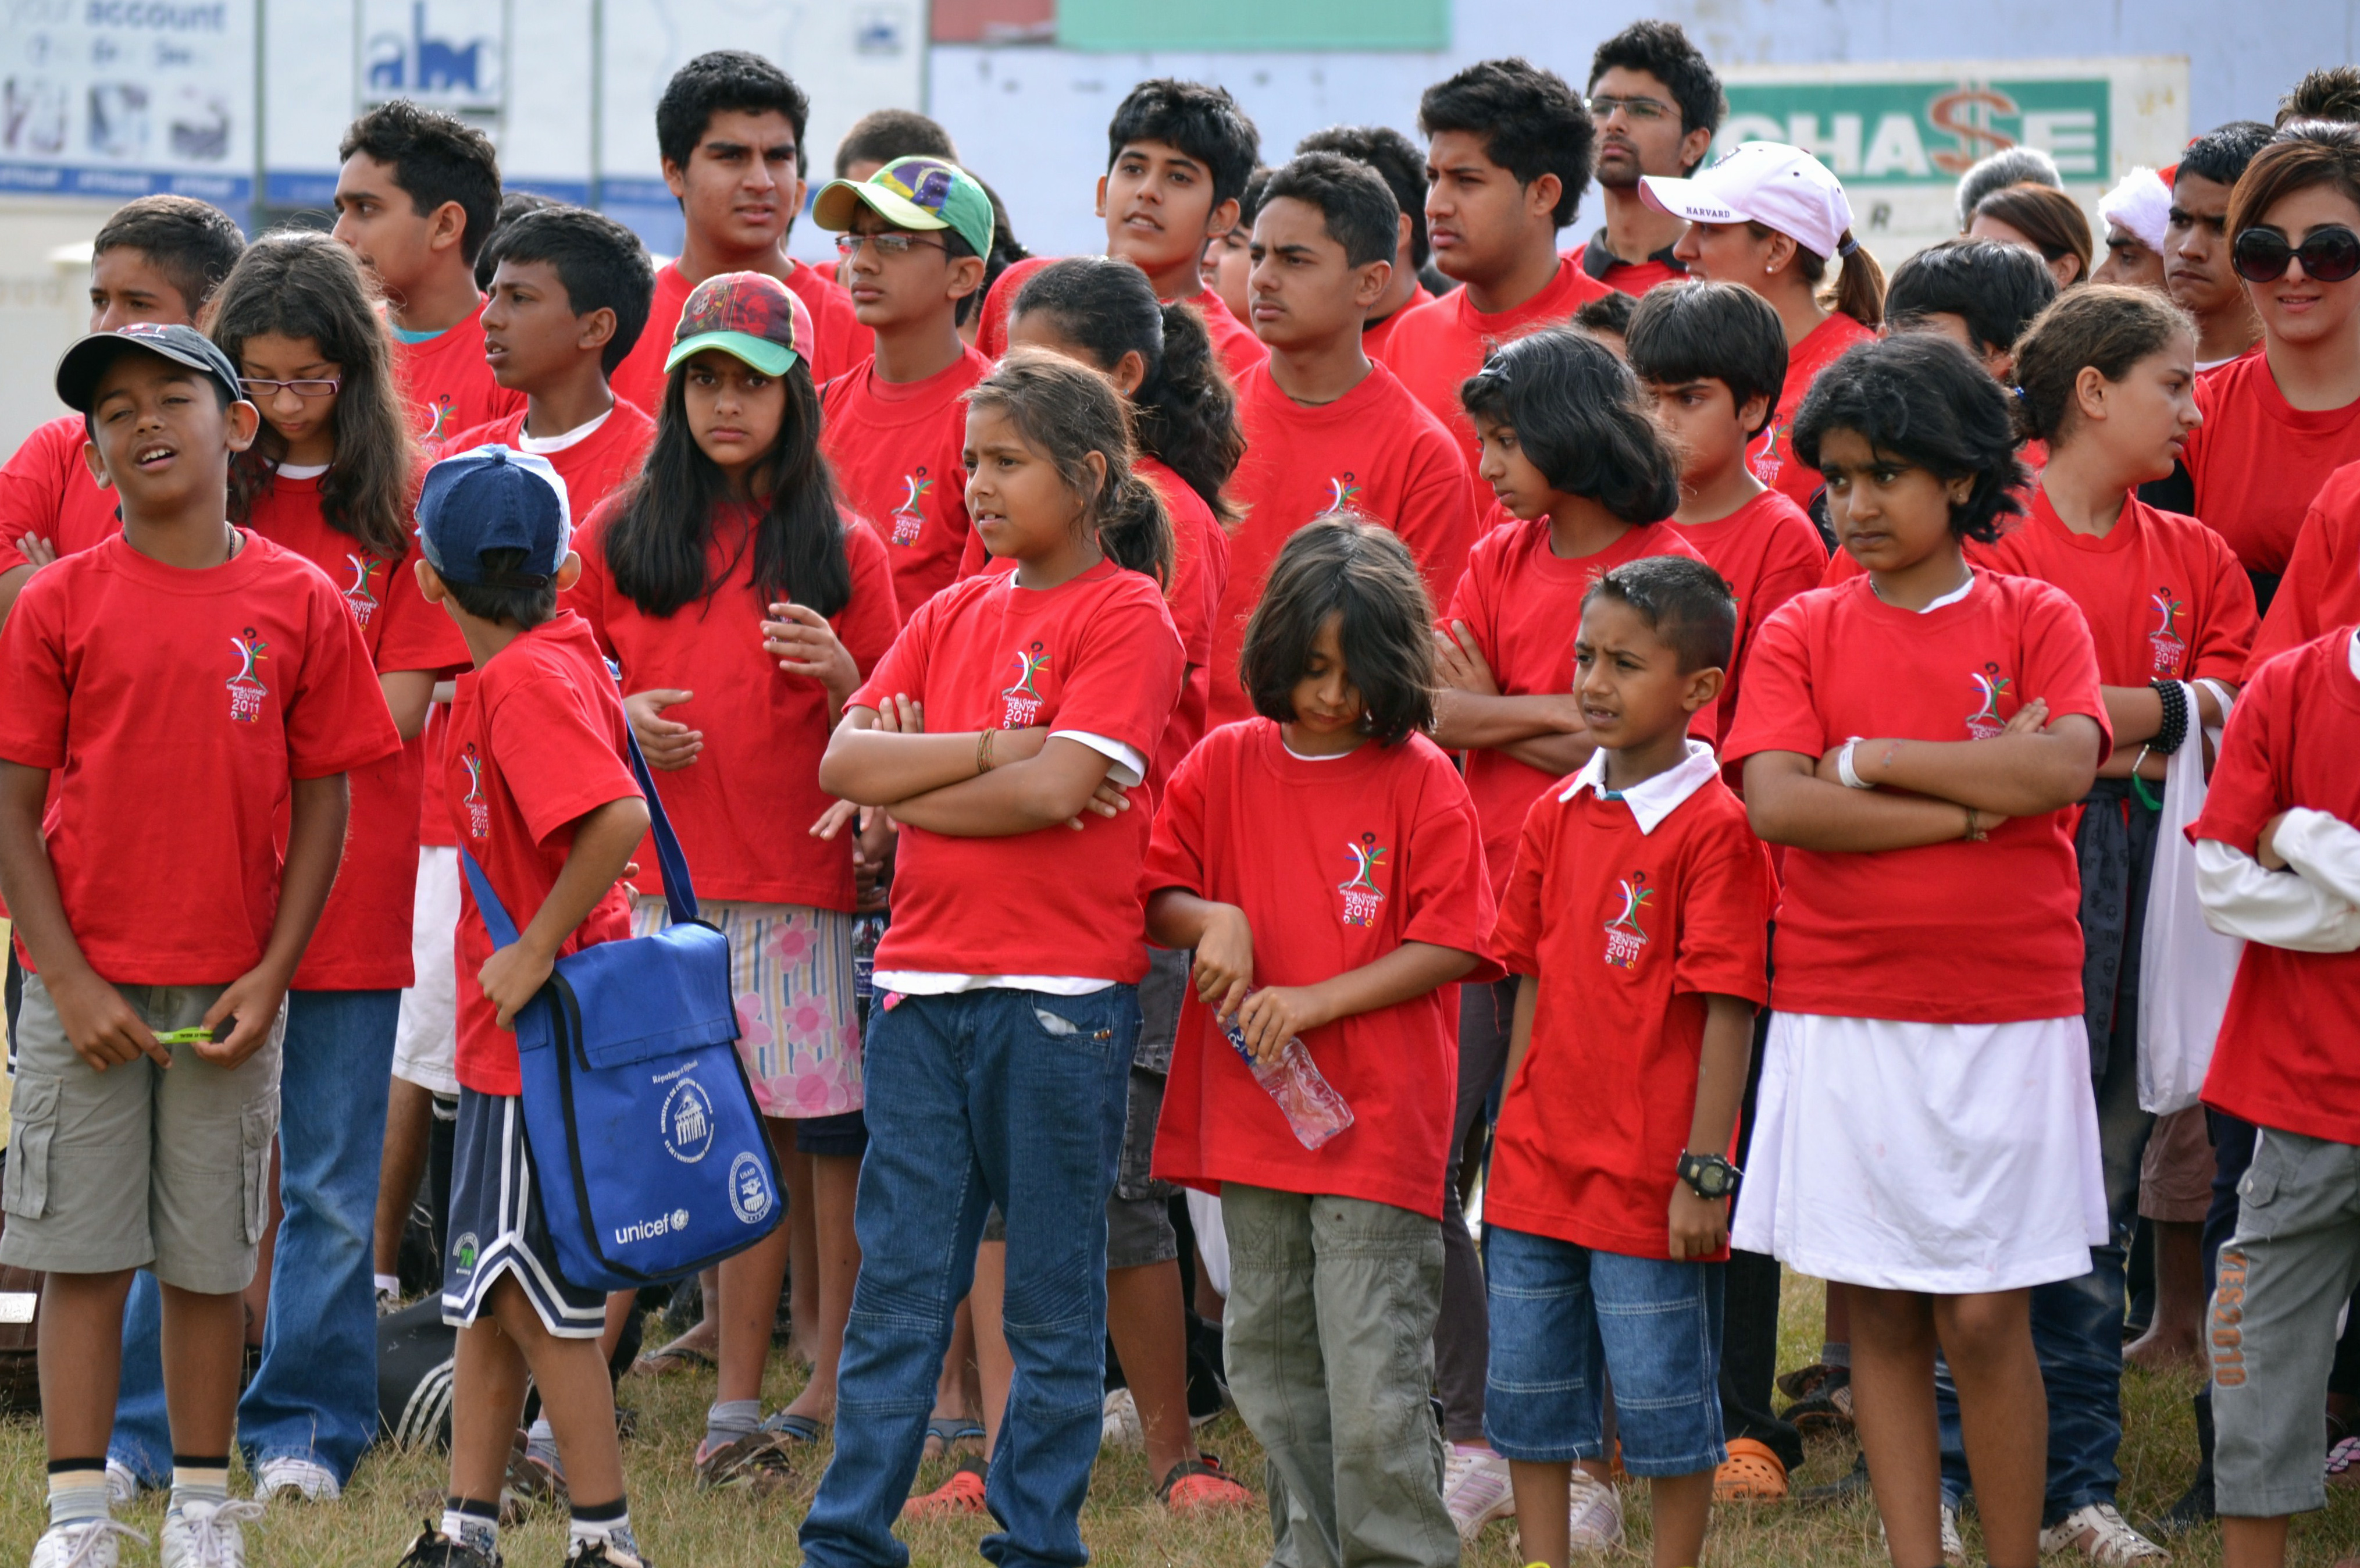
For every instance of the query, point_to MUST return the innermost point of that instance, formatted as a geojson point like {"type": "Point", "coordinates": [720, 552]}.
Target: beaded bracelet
{"type": "Point", "coordinates": [2174, 733]}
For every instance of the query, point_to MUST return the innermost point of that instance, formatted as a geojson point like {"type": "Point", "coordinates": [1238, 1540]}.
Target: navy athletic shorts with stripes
{"type": "Point", "coordinates": [498, 1227]}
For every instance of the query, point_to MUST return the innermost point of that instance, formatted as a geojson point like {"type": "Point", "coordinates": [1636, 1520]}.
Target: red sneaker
{"type": "Point", "coordinates": [1200, 1486]}
{"type": "Point", "coordinates": [962, 1494]}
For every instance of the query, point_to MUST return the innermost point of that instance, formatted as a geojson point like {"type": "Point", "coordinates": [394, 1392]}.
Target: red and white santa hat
{"type": "Point", "coordinates": [2141, 204]}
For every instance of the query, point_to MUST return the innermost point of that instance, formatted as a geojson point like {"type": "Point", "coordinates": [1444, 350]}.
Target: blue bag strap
{"type": "Point", "coordinates": [497, 923]}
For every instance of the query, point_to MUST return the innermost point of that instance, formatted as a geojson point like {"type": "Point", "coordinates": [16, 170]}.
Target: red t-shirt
{"type": "Point", "coordinates": [2257, 461]}
{"type": "Point", "coordinates": [1376, 334]}
{"type": "Point", "coordinates": [1200, 574]}
{"type": "Point", "coordinates": [1446, 342]}
{"type": "Point", "coordinates": [1767, 551]}
{"type": "Point", "coordinates": [840, 341]}
{"type": "Point", "coordinates": [538, 743]}
{"type": "Point", "coordinates": [1523, 602]}
{"type": "Point", "coordinates": [1771, 454]}
{"type": "Point", "coordinates": [897, 449]}
{"type": "Point", "coordinates": [46, 490]}
{"type": "Point", "coordinates": [2322, 586]}
{"type": "Point", "coordinates": [1241, 352]}
{"type": "Point", "coordinates": [1373, 451]}
{"type": "Point", "coordinates": [2284, 1058]}
{"type": "Point", "coordinates": [1628, 933]}
{"type": "Point", "coordinates": [2164, 597]}
{"type": "Point", "coordinates": [744, 808]}
{"type": "Point", "coordinates": [1095, 653]}
{"type": "Point", "coordinates": [173, 763]}
{"type": "Point", "coordinates": [449, 385]}
{"type": "Point", "coordinates": [362, 942]}
{"type": "Point", "coordinates": [1335, 864]}
{"type": "Point", "coordinates": [999, 304]}
{"type": "Point", "coordinates": [1634, 278]}
{"type": "Point", "coordinates": [1957, 932]}
{"type": "Point", "coordinates": [594, 467]}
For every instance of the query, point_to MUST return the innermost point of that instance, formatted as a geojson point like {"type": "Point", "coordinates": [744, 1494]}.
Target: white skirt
{"type": "Point", "coordinates": [1949, 1158]}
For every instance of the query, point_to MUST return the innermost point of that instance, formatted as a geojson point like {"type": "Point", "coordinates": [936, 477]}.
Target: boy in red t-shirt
{"type": "Point", "coordinates": [1328, 430]}
{"type": "Point", "coordinates": [1506, 162]}
{"type": "Point", "coordinates": [2278, 863]}
{"type": "Point", "coordinates": [1178, 155]}
{"type": "Point", "coordinates": [115, 1165]}
{"type": "Point", "coordinates": [914, 235]}
{"type": "Point", "coordinates": [1656, 104]}
{"type": "Point", "coordinates": [1323, 859]}
{"type": "Point", "coordinates": [1401, 167]}
{"type": "Point", "coordinates": [1713, 356]}
{"type": "Point", "coordinates": [416, 199]}
{"type": "Point", "coordinates": [1608, 1206]}
{"type": "Point", "coordinates": [158, 259]}
{"type": "Point", "coordinates": [541, 794]}
{"type": "Point", "coordinates": [730, 129]}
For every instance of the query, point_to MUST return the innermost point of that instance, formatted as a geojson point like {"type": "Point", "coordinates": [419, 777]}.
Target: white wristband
{"type": "Point", "coordinates": [1844, 769]}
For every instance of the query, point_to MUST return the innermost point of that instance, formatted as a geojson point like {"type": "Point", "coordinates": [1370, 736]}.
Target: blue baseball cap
{"type": "Point", "coordinates": [494, 498]}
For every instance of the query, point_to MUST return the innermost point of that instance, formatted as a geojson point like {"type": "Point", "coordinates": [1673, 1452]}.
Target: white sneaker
{"type": "Point", "coordinates": [1476, 1489]}
{"type": "Point", "coordinates": [1120, 1427]}
{"type": "Point", "coordinates": [85, 1543]}
{"type": "Point", "coordinates": [207, 1535]}
{"type": "Point", "coordinates": [1954, 1547]}
{"type": "Point", "coordinates": [2099, 1533]}
{"type": "Point", "coordinates": [123, 1487]}
{"type": "Point", "coordinates": [288, 1479]}
{"type": "Point", "coordinates": [1594, 1521]}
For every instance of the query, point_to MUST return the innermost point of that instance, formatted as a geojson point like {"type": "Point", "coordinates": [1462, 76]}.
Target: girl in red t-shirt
{"type": "Point", "coordinates": [1924, 1131]}
{"type": "Point", "coordinates": [330, 476]}
{"type": "Point", "coordinates": [1004, 730]}
{"type": "Point", "coordinates": [1324, 861]}
{"type": "Point", "coordinates": [744, 608]}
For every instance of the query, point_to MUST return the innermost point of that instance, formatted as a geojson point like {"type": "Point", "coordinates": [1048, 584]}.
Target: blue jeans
{"type": "Point", "coordinates": [2077, 1327]}
{"type": "Point", "coordinates": [1007, 1097]}
{"type": "Point", "coordinates": [314, 1395]}
{"type": "Point", "coordinates": [1567, 1318]}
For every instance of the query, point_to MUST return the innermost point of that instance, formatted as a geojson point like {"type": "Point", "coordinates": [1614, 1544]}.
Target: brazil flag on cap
{"type": "Point", "coordinates": [911, 194]}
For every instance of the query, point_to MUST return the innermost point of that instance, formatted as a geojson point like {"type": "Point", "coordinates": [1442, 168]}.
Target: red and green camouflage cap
{"type": "Point", "coordinates": [750, 316]}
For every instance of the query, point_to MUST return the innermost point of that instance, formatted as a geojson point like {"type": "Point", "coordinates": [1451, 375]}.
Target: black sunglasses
{"type": "Point", "coordinates": [2329, 255]}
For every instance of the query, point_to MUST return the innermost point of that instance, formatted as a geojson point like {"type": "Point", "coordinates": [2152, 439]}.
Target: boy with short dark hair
{"type": "Point", "coordinates": [417, 196]}
{"type": "Point", "coordinates": [116, 1165]}
{"type": "Point", "coordinates": [1713, 358]}
{"type": "Point", "coordinates": [1403, 168]}
{"type": "Point", "coordinates": [881, 135]}
{"type": "Point", "coordinates": [569, 299]}
{"type": "Point", "coordinates": [1656, 105]}
{"type": "Point", "coordinates": [1608, 1204]}
{"type": "Point", "coordinates": [913, 235]}
{"type": "Point", "coordinates": [1328, 430]}
{"type": "Point", "coordinates": [1979, 293]}
{"type": "Point", "coordinates": [730, 129]}
{"type": "Point", "coordinates": [542, 796]}
{"type": "Point", "coordinates": [1178, 155]}
{"type": "Point", "coordinates": [158, 259]}
{"type": "Point", "coordinates": [2196, 270]}
{"type": "Point", "coordinates": [1507, 157]}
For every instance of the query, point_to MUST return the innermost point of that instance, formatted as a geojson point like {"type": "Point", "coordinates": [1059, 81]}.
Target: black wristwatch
{"type": "Point", "coordinates": [1709, 1176]}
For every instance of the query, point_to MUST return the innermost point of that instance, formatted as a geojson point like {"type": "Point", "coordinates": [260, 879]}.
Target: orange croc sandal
{"type": "Point", "coordinates": [962, 1494]}
{"type": "Point", "coordinates": [1751, 1474]}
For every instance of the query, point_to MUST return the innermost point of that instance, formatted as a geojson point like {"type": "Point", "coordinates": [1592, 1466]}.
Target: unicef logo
{"type": "Point", "coordinates": [680, 1219]}
{"type": "Point", "coordinates": [687, 1128]}
{"type": "Point", "coordinates": [749, 1189]}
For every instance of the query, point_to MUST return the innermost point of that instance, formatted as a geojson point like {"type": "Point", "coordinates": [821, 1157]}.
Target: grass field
{"type": "Point", "coordinates": [683, 1529]}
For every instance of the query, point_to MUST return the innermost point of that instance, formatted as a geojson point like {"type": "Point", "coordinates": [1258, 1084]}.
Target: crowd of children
{"type": "Point", "coordinates": [1340, 711]}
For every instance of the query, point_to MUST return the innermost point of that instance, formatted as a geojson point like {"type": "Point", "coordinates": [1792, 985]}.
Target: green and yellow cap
{"type": "Point", "coordinates": [911, 194]}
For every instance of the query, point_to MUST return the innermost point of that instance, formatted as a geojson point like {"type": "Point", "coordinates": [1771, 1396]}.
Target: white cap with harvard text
{"type": "Point", "coordinates": [1766, 182]}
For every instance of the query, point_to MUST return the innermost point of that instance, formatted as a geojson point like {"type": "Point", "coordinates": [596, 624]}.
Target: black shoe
{"type": "Point", "coordinates": [432, 1549]}
{"type": "Point", "coordinates": [1852, 1483]}
{"type": "Point", "coordinates": [600, 1554]}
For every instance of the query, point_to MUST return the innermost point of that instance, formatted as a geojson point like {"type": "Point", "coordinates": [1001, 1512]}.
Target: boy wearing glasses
{"type": "Point", "coordinates": [1507, 157]}
{"type": "Point", "coordinates": [1656, 105]}
{"type": "Point", "coordinates": [913, 236]}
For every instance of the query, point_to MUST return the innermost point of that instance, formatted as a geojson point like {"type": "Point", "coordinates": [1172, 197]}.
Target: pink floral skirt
{"type": "Point", "coordinates": [791, 969]}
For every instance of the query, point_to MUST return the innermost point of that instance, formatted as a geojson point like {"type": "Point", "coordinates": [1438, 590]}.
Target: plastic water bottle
{"type": "Point", "coordinates": [866, 933]}
{"type": "Point", "coordinates": [1308, 1102]}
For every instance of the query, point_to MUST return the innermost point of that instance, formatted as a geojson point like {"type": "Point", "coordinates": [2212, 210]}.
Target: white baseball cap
{"type": "Point", "coordinates": [1766, 182]}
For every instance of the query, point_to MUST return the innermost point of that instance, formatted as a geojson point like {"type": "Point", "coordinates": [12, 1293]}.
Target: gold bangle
{"type": "Point", "coordinates": [983, 752]}
{"type": "Point", "coordinates": [1973, 834]}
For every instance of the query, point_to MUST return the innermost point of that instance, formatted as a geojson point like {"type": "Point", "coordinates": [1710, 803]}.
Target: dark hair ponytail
{"type": "Point", "coordinates": [1065, 412]}
{"type": "Point", "coordinates": [1860, 289]}
{"type": "Point", "coordinates": [1184, 413]}
{"type": "Point", "coordinates": [658, 546]}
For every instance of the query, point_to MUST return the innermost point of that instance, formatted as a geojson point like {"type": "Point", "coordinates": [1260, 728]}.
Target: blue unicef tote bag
{"type": "Point", "coordinates": [650, 1152]}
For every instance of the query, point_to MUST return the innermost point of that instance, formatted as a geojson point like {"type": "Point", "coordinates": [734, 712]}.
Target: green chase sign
{"type": "Point", "coordinates": [1918, 132]}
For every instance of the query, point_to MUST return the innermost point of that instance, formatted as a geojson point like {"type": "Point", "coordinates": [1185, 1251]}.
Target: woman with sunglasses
{"type": "Point", "coordinates": [2277, 421]}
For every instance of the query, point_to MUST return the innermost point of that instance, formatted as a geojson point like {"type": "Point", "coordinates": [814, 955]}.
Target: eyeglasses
{"type": "Point", "coordinates": [2328, 255]}
{"type": "Point", "coordinates": [848, 245]}
{"type": "Point", "coordinates": [255, 388]}
{"type": "Point", "coordinates": [1602, 108]}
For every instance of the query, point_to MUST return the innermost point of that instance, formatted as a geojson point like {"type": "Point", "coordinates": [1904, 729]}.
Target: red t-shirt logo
{"type": "Point", "coordinates": [2165, 640]}
{"type": "Point", "coordinates": [1625, 937]}
{"type": "Point", "coordinates": [1990, 685]}
{"type": "Point", "coordinates": [909, 518]}
{"type": "Point", "coordinates": [479, 812]}
{"type": "Point", "coordinates": [245, 688]}
{"type": "Point", "coordinates": [1361, 894]}
{"type": "Point", "coordinates": [358, 598]}
{"type": "Point", "coordinates": [1023, 699]}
